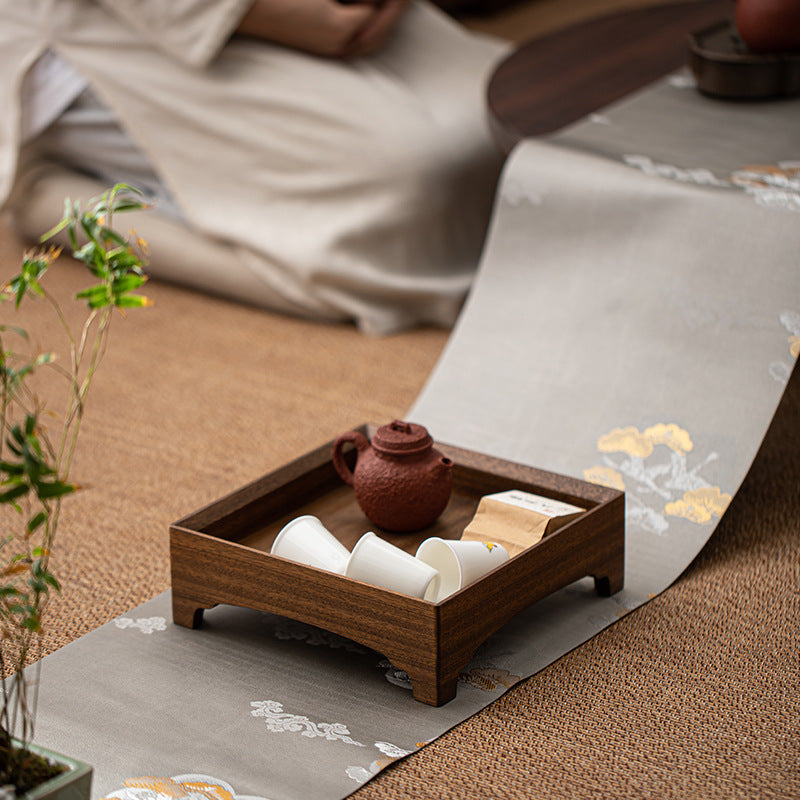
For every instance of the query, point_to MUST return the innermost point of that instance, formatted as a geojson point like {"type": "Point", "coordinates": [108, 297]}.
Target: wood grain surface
{"type": "Point", "coordinates": [556, 79]}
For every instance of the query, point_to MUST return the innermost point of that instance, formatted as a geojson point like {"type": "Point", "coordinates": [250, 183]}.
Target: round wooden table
{"type": "Point", "coordinates": [554, 80]}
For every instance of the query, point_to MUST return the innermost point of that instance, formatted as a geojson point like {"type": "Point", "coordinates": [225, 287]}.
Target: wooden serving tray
{"type": "Point", "coordinates": [220, 554]}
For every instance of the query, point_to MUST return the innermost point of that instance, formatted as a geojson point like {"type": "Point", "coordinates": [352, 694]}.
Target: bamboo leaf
{"type": "Point", "coordinates": [99, 302]}
{"type": "Point", "coordinates": [11, 468]}
{"type": "Point", "coordinates": [128, 205]}
{"type": "Point", "coordinates": [89, 225]}
{"type": "Point", "coordinates": [73, 239]}
{"type": "Point", "coordinates": [126, 187]}
{"type": "Point", "coordinates": [12, 494]}
{"type": "Point", "coordinates": [132, 301]}
{"type": "Point", "coordinates": [58, 228]}
{"type": "Point", "coordinates": [35, 522]}
{"type": "Point", "coordinates": [127, 283]}
{"type": "Point", "coordinates": [109, 234]}
{"type": "Point", "coordinates": [125, 263]}
{"type": "Point", "coordinates": [16, 329]}
{"type": "Point", "coordinates": [46, 491]}
{"type": "Point", "coordinates": [53, 581]}
{"type": "Point", "coordinates": [96, 296]}
{"type": "Point", "coordinates": [86, 253]}
{"type": "Point", "coordinates": [99, 290]}
{"type": "Point", "coordinates": [34, 451]}
{"type": "Point", "coordinates": [14, 569]}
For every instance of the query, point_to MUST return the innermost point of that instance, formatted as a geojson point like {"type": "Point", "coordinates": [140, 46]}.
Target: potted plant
{"type": "Point", "coordinates": [35, 463]}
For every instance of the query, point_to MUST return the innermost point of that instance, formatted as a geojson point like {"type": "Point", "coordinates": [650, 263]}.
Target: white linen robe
{"type": "Point", "coordinates": [339, 190]}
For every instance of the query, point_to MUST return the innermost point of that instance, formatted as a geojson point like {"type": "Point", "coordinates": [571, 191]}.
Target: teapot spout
{"type": "Point", "coordinates": [443, 466]}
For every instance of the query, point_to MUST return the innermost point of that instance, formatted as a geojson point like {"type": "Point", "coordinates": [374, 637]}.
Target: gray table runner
{"type": "Point", "coordinates": [634, 322]}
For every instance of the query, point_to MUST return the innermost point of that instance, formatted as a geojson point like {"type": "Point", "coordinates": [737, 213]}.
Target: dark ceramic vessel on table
{"type": "Point", "coordinates": [401, 482]}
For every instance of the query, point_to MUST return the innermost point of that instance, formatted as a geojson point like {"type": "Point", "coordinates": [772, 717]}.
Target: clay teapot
{"type": "Point", "coordinates": [401, 482]}
{"type": "Point", "coordinates": [769, 26]}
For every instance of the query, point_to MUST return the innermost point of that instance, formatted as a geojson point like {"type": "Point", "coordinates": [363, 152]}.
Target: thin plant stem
{"type": "Point", "coordinates": [36, 473]}
{"type": "Point", "coordinates": [98, 350]}
{"type": "Point", "coordinates": [59, 313]}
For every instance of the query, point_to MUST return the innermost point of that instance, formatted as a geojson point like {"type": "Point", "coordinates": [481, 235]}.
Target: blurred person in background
{"type": "Point", "coordinates": [323, 158]}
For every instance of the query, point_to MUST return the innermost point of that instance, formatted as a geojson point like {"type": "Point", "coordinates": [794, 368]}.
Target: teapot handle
{"type": "Point", "coordinates": [360, 441]}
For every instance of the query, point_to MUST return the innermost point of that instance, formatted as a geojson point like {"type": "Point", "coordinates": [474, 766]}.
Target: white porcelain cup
{"type": "Point", "coordinates": [307, 541]}
{"type": "Point", "coordinates": [380, 563]}
{"type": "Point", "coordinates": [459, 562]}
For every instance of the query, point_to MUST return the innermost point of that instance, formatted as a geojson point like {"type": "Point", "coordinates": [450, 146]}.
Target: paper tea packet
{"type": "Point", "coordinates": [517, 519]}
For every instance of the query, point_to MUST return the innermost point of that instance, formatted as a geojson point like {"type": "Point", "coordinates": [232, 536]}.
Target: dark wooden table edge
{"type": "Point", "coordinates": [579, 93]}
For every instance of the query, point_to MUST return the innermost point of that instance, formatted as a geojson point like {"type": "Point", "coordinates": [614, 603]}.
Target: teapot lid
{"type": "Point", "coordinates": [400, 438]}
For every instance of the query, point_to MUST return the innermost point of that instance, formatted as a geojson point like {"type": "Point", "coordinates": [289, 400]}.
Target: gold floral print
{"type": "Point", "coordinates": [701, 505]}
{"type": "Point", "coordinates": [629, 440]}
{"type": "Point", "coordinates": [775, 186]}
{"type": "Point", "coordinates": [180, 787]}
{"type": "Point", "coordinates": [657, 476]}
{"type": "Point", "coordinates": [605, 476]}
{"type": "Point", "coordinates": [488, 679]}
{"type": "Point", "coordinates": [625, 440]}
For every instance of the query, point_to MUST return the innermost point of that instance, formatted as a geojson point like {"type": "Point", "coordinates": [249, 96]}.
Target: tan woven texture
{"type": "Point", "coordinates": [695, 695]}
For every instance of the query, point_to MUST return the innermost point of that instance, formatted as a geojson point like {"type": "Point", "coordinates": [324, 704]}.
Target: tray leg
{"type": "Point", "coordinates": [435, 683]}
{"type": "Point", "coordinates": [427, 689]}
{"type": "Point", "coordinates": [187, 612]}
{"type": "Point", "coordinates": [610, 578]}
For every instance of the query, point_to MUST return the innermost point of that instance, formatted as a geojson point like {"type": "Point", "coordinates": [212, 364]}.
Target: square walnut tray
{"type": "Point", "coordinates": [220, 554]}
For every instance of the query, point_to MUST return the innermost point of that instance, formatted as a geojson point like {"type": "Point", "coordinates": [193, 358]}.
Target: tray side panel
{"type": "Point", "coordinates": [207, 571]}
{"type": "Point", "coordinates": [593, 544]}
{"type": "Point", "coordinates": [271, 495]}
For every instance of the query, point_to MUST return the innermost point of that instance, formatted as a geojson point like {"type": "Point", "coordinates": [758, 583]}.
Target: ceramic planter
{"type": "Point", "coordinates": [74, 784]}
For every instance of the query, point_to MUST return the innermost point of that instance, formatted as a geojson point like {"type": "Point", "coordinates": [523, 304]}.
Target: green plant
{"type": "Point", "coordinates": [34, 461]}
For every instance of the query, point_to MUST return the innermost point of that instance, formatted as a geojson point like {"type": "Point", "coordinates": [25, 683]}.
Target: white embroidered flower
{"type": "Point", "coordinates": [358, 774]}
{"type": "Point", "coordinates": [682, 80]}
{"type": "Point", "coordinates": [279, 721]}
{"type": "Point", "coordinates": [791, 321]}
{"type": "Point", "coordinates": [779, 372]}
{"type": "Point", "coordinates": [516, 192]}
{"type": "Point", "coordinates": [317, 637]}
{"type": "Point", "coordinates": [397, 677]}
{"type": "Point", "coordinates": [697, 175]}
{"type": "Point", "coordinates": [143, 624]}
{"type": "Point", "coordinates": [391, 750]}
{"type": "Point", "coordinates": [363, 774]}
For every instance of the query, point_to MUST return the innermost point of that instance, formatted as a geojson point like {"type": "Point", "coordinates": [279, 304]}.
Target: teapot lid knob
{"type": "Point", "coordinates": [402, 438]}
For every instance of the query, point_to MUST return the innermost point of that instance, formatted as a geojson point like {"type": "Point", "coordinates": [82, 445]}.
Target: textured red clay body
{"type": "Point", "coordinates": [402, 483]}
